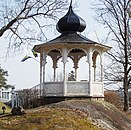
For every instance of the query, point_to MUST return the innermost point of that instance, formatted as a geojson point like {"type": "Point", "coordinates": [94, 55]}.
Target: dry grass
{"type": "Point", "coordinates": [69, 115]}
{"type": "Point", "coordinates": [48, 119]}
{"type": "Point", "coordinates": [103, 114]}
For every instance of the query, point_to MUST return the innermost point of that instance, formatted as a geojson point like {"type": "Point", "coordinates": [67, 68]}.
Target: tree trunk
{"type": "Point", "coordinates": [125, 83]}
{"type": "Point", "coordinates": [126, 95]}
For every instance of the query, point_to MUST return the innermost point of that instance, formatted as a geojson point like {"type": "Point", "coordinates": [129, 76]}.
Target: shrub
{"type": "Point", "coordinates": [114, 98]}
{"type": "Point", "coordinates": [18, 111]}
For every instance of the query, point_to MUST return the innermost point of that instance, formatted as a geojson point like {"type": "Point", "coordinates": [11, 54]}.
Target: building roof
{"type": "Point", "coordinates": [69, 38]}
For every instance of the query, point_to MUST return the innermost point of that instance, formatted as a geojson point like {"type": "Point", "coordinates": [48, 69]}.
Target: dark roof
{"type": "Point", "coordinates": [71, 38]}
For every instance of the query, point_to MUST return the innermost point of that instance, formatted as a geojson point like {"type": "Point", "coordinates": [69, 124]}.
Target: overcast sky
{"type": "Point", "coordinates": [26, 74]}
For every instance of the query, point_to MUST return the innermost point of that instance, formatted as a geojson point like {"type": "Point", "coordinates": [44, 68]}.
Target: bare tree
{"type": "Point", "coordinates": [116, 16]}
{"type": "Point", "coordinates": [24, 20]}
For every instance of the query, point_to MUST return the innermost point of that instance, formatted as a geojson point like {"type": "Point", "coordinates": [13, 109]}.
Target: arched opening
{"type": "Point", "coordinates": [59, 70]}
{"type": "Point", "coordinates": [98, 69]}
{"type": "Point", "coordinates": [76, 54]}
{"type": "Point", "coordinates": [83, 70]}
{"type": "Point", "coordinates": [49, 69]}
{"type": "Point", "coordinates": [70, 75]}
{"type": "Point", "coordinates": [53, 57]}
{"type": "Point", "coordinates": [96, 66]}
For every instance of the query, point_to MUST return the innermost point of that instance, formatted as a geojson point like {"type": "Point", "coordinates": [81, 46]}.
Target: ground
{"type": "Point", "coordinates": [69, 115]}
{"type": "Point", "coordinates": [8, 109]}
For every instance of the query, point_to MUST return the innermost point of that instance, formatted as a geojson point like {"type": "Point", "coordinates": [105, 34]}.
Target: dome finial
{"type": "Point", "coordinates": [71, 22]}
{"type": "Point", "coordinates": [71, 3]}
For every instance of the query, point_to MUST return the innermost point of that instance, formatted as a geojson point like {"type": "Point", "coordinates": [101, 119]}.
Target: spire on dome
{"type": "Point", "coordinates": [71, 3]}
{"type": "Point", "coordinates": [71, 22]}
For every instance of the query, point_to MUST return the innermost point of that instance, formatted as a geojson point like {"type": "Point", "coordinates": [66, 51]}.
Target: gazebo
{"type": "Point", "coordinates": [71, 44]}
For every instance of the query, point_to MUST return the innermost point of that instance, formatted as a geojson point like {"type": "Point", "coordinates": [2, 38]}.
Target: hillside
{"type": "Point", "coordinates": [69, 115]}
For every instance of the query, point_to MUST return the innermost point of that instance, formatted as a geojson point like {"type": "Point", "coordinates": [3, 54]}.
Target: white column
{"type": "Point", "coordinates": [90, 71]}
{"type": "Point", "coordinates": [101, 62]}
{"type": "Point", "coordinates": [94, 73]}
{"type": "Point", "coordinates": [43, 65]}
{"type": "Point", "coordinates": [41, 57]}
{"type": "Point", "coordinates": [54, 66]}
{"type": "Point", "coordinates": [64, 60]}
{"type": "Point", "coordinates": [75, 60]}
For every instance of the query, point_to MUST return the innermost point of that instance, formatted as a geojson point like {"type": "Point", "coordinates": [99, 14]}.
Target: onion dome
{"type": "Point", "coordinates": [71, 22]}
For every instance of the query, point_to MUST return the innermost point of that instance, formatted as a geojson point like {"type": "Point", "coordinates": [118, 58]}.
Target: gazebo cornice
{"type": "Point", "coordinates": [83, 45]}
{"type": "Point", "coordinates": [104, 48]}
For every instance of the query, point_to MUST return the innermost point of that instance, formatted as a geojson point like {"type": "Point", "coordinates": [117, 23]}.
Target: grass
{"type": "Point", "coordinates": [48, 119]}
{"type": "Point", "coordinates": [8, 109]}
{"type": "Point", "coordinates": [68, 115]}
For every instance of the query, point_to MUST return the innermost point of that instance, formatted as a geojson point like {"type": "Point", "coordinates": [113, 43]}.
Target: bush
{"type": "Point", "coordinates": [18, 111]}
{"type": "Point", "coordinates": [32, 103]}
{"type": "Point", "coordinates": [114, 98]}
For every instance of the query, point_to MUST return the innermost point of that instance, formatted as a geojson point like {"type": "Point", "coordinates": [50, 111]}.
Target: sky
{"type": "Point", "coordinates": [26, 74]}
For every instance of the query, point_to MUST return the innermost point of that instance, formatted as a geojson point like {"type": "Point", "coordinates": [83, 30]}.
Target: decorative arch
{"type": "Point", "coordinates": [77, 49]}
{"type": "Point", "coordinates": [76, 54]}
{"type": "Point", "coordinates": [96, 58]}
{"type": "Point", "coordinates": [55, 49]}
{"type": "Point", "coordinates": [55, 55]}
{"type": "Point", "coordinates": [83, 70]}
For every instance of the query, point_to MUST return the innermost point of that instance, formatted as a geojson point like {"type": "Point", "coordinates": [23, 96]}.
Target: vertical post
{"type": "Point", "coordinates": [16, 99]}
{"type": "Point", "coordinates": [94, 65]}
{"type": "Point", "coordinates": [76, 74]}
{"type": "Point", "coordinates": [64, 59]}
{"type": "Point", "coordinates": [101, 62]}
{"type": "Point", "coordinates": [54, 74]}
{"type": "Point", "coordinates": [90, 71]}
{"type": "Point", "coordinates": [75, 65]}
{"type": "Point", "coordinates": [54, 66]}
{"type": "Point", "coordinates": [12, 96]}
{"type": "Point", "coordinates": [41, 57]}
{"type": "Point", "coordinates": [94, 73]}
{"type": "Point", "coordinates": [43, 64]}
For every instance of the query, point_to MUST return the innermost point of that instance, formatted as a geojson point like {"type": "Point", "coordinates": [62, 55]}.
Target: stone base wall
{"type": "Point", "coordinates": [52, 99]}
